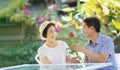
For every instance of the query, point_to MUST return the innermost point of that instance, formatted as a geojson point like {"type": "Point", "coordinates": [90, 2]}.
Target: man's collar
{"type": "Point", "coordinates": [97, 41]}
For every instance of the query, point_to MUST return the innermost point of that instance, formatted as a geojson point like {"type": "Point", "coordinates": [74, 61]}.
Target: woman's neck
{"type": "Point", "coordinates": [51, 44]}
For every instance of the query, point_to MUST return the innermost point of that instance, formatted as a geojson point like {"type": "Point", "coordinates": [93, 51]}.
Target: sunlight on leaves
{"type": "Point", "coordinates": [116, 24]}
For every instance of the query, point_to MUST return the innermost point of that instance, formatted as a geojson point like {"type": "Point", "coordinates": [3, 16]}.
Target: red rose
{"type": "Point", "coordinates": [71, 34]}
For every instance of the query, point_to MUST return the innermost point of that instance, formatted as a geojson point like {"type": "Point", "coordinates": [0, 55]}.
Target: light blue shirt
{"type": "Point", "coordinates": [103, 44]}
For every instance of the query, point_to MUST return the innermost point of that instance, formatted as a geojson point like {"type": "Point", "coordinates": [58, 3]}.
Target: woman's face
{"type": "Point", "coordinates": [51, 33]}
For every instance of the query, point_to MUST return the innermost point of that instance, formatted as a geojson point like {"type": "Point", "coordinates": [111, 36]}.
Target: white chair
{"type": "Point", "coordinates": [117, 57]}
{"type": "Point", "coordinates": [37, 59]}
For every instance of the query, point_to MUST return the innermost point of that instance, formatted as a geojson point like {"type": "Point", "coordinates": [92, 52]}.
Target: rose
{"type": "Point", "coordinates": [71, 34]}
{"type": "Point", "coordinates": [71, 40]}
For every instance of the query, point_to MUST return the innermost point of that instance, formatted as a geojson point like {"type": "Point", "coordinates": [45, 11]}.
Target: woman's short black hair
{"type": "Point", "coordinates": [93, 21]}
{"type": "Point", "coordinates": [44, 34]}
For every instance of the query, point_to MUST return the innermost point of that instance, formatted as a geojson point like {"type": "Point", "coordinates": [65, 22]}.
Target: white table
{"type": "Point", "coordinates": [81, 66]}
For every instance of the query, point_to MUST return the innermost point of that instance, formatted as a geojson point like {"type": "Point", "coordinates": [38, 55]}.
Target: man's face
{"type": "Point", "coordinates": [87, 30]}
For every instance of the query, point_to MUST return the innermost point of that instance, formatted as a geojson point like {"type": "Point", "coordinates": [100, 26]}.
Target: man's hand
{"type": "Point", "coordinates": [77, 47]}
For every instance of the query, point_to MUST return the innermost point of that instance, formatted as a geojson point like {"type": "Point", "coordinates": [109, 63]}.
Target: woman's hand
{"type": "Point", "coordinates": [45, 60]}
{"type": "Point", "coordinates": [72, 60]}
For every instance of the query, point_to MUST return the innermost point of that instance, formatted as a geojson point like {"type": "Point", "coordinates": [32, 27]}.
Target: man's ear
{"type": "Point", "coordinates": [92, 28]}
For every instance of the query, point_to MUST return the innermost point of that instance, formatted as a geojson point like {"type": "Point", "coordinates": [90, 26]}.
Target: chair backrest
{"type": "Point", "coordinates": [117, 57]}
{"type": "Point", "coordinates": [37, 59]}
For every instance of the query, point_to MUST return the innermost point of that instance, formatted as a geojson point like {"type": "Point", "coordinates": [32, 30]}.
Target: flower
{"type": "Point", "coordinates": [27, 11]}
{"type": "Point", "coordinates": [52, 7]}
{"type": "Point", "coordinates": [58, 28]}
{"type": "Point", "coordinates": [71, 34]}
{"type": "Point", "coordinates": [71, 40]}
{"type": "Point", "coordinates": [113, 11]}
{"type": "Point", "coordinates": [41, 19]}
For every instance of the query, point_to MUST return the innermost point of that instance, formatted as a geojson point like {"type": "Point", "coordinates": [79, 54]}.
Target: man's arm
{"type": "Point", "coordinates": [102, 57]}
{"type": "Point", "coordinates": [93, 56]}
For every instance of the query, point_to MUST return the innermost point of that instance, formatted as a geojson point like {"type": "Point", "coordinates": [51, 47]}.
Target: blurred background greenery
{"type": "Point", "coordinates": [20, 20]}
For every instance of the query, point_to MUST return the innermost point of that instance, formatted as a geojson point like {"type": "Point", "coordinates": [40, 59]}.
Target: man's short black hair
{"type": "Point", "coordinates": [44, 34]}
{"type": "Point", "coordinates": [93, 21]}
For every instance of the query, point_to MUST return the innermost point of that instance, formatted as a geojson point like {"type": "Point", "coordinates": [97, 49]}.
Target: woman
{"type": "Point", "coordinates": [52, 51]}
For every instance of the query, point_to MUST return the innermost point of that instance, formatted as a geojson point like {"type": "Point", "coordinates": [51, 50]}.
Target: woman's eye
{"type": "Point", "coordinates": [50, 31]}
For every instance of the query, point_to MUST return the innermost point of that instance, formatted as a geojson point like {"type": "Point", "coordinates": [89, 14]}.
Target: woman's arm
{"type": "Point", "coordinates": [68, 59]}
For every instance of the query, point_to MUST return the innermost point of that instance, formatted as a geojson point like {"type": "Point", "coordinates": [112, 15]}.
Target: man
{"type": "Point", "coordinates": [100, 48]}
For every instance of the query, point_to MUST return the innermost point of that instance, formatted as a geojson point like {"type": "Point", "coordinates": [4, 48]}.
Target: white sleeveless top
{"type": "Point", "coordinates": [55, 55]}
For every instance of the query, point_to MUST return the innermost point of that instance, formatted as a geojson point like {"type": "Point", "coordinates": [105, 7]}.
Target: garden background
{"type": "Point", "coordinates": [20, 20]}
